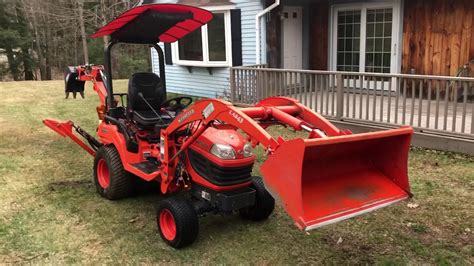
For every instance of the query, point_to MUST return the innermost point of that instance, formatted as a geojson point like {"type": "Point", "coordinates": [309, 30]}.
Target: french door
{"type": "Point", "coordinates": [365, 38]}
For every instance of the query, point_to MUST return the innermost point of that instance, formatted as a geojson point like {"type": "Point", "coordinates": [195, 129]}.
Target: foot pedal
{"type": "Point", "coordinates": [147, 167]}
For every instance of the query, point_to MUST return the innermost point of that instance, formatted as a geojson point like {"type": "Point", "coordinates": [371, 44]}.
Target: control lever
{"type": "Point", "coordinates": [151, 107]}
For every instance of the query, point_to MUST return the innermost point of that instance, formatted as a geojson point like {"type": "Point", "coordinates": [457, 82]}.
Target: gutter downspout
{"type": "Point", "coordinates": [257, 27]}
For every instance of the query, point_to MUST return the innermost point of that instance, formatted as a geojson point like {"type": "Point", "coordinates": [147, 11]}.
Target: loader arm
{"type": "Point", "coordinates": [206, 112]}
{"type": "Point", "coordinates": [274, 110]}
{"type": "Point", "coordinates": [330, 176]}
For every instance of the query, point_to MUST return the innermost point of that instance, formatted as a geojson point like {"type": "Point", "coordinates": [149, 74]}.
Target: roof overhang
{"type": "Point", "coordinates": [149, 24]}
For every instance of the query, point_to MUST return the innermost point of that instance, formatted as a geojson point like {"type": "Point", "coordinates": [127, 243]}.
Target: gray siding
{"type": "Point", "coordinates": [200, 82]}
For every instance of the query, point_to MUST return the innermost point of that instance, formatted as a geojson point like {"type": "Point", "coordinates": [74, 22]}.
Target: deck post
{"type": "Point", "coordinates": [339, 96]}
{"type": "Point", "coordinates": [232, 84]}
{"type": "Point", "coordinates": [472, 118]}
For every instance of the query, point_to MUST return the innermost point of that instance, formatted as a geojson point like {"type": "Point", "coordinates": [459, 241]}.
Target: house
{"type": "Point", "coordinates": [395, 36]}
{"type": "Point", "coordinates": [382, 36]}
{"type": "Point", "coordinates": [363, 64]}
{"type": "Point", "coordinates": [199, 63]}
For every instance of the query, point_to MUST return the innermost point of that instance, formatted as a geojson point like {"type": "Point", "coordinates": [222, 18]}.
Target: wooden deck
{"type": "Point", "coordinates": [430, 115]}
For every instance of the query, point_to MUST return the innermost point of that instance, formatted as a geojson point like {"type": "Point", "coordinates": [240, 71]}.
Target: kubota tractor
{"type": "Point", "coordinates": [204, 150]}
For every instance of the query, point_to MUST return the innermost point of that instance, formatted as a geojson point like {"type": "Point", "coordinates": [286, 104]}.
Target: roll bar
{"type": "Point", "coordinates": [108, 72]}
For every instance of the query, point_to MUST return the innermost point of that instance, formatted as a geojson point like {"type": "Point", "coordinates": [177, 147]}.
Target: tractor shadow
{"type": "Point", "coordinates": [218, 227]}
{"type": "Point", "coordinates": [137, 213]}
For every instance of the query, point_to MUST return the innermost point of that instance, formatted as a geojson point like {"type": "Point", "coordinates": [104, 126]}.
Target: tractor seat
{"type": "Point", "coordinates": [151, 86]}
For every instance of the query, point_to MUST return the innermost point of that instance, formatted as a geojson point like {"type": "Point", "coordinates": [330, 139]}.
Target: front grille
{"type": "Point", "coordinates": [218, 175]}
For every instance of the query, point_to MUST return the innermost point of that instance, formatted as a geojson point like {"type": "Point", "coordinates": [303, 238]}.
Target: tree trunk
{"type": "Point", "coordinates": [104, 20]}
{"type": "Point", "coordinates": [27, 67]}
{"type": "Point", "coordinates": [80, 6]}
{"type": "Point", "coordinates": [12, 64]}
{"type": "Point", "coordinates": [47, 49]}
{"type": "Point", "coordinates": [29, 8]}
{"type": "Point", "coordinates": [25, 47]}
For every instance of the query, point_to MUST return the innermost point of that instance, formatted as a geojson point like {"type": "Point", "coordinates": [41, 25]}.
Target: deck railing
{"type": "Point", "coordinates": [429, 103]}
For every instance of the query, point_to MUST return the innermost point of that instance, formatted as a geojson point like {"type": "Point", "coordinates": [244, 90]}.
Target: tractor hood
{"type": "Point", "coordinates": [222, 136]}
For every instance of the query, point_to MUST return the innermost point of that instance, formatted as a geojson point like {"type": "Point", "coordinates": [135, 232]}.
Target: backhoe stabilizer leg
{"type": "Point", "coordinates": [65, 129]}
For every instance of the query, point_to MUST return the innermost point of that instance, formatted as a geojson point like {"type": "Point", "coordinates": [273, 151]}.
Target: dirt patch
{"type": "Point", "coordinates": [58, 185]}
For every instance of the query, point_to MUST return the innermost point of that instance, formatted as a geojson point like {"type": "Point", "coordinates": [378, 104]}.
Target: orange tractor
{"type": "Point", "coordinates": [205, 150]}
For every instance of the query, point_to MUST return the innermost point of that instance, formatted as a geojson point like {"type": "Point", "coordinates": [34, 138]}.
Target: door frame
{"type": "Point", "coordinates": [300, 11]}
{"type": "Point", "coordinates": [397, 20]}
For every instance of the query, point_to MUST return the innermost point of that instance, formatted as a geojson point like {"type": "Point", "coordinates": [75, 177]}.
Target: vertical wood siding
{"type": "Point", "coordinates": [273, 36]}
{"type": "Point", "coordinates": [319, 36]}
{"type": "Point", "coordinates": [437, 36]}
{"type": "Point", "coordinates": [200, 82]}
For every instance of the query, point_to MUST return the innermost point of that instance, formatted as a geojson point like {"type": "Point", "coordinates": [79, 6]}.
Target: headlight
{"type": "Point", "coordinates": [247, 150]}
{"type": "Point", "coordinates": [223, 151]}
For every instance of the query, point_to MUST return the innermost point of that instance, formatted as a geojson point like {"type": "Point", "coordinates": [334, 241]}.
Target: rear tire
{"type": "Point", "coordinates": [264, 203]}
{"type": "Point", "coordinates": [111, 180]}
{"type": "Point", "coordinates": [177, 221]}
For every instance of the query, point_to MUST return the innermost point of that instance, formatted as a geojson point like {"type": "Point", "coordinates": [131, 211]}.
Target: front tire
{"type": "Point", "coordinates": [264, 203]}
{"type": "Point", "coordinates": [111, 180]}
{"type": "Point", "coordinates": [177, 221]}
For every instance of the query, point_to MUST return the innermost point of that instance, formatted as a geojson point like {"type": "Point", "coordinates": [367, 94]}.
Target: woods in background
{"type": "Point", "coordinates": [39, 38]}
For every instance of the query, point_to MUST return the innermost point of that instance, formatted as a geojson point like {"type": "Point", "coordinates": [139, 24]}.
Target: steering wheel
{"type": "Point", "coordinates": [177, 104]}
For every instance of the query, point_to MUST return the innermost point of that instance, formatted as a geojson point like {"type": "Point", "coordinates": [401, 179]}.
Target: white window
{"type": "Point", "coordinates": [209, 46]}
{"type": "Point", "coordinates": [365, 38]}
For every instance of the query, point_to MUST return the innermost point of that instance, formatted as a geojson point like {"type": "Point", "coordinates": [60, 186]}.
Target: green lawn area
{"type": "Point", "coordinates": [50, 213]}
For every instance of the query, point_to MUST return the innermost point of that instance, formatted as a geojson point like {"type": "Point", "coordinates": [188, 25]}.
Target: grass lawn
{"type": "Point", "coordinates": [50, 213]}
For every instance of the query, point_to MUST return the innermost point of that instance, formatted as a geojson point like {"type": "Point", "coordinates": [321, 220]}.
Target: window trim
{"type": "Point", "coordinates": [205, 44]}
{"type": "Point", "coordinates": [396, 52]}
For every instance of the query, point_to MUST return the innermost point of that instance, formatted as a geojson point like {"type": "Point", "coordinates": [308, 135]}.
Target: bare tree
{"type": "Point", "coordinates": [80, 9]}
{"type": "Point", "coordinates": [30, 7]}
{"type": "Point", "coordinates": [59, 30]}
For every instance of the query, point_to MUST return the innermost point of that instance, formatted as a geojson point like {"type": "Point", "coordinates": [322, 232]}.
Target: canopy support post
{"type": "Point", "coordinates": [108, 75]}
{"type": "Point", "coordinates": [161, 62]}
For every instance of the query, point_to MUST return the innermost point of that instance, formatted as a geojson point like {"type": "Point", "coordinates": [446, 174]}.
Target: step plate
{"type": "Point", "coordinates": [147, 167]}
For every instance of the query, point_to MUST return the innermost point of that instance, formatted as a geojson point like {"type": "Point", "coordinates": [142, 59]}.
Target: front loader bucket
{"type": "Point", "coordinates": [326, 180]}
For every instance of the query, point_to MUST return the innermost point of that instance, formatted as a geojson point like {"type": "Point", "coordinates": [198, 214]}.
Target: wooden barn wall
{"type": "Point", "coordinates": [437, 36]}
{"type": "Point", "coordinates": [319, 32]}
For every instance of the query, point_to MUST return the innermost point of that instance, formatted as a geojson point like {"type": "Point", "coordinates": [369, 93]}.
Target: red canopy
{"type": "Point", "coordinates": [155, 23]}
